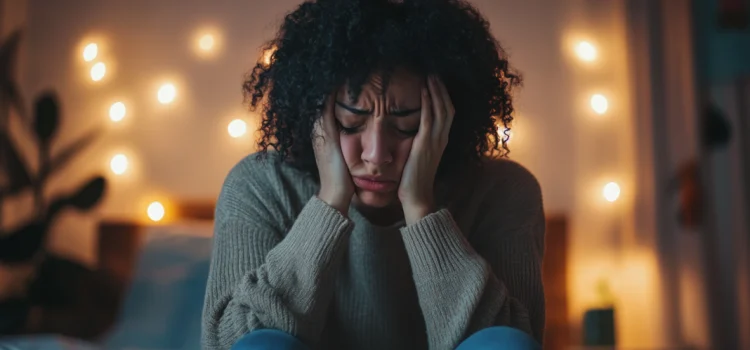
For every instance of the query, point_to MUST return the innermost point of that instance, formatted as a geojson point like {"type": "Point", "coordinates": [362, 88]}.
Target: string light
{"type": "Point", "coordinates": [505, 133]}
{"type": "Point", "coordinates": [117, 111]}
{"type": "Point", "coordinates": [586, 51]}
{"type": "Point", "coordinates": [155, 211]}
{"type": "Point", "coordinates": [206, 42]}
{"type": "Point", "coordinates": [268, 56]}
{"type": "Point", "coordinates": [166, 94]}
{"type": "Point", "coordinates": [611, 191]}
{"type": "Point", "coordinates": [119, 164]}
{"type": "Point", "coordinates": [90, 52]}
{"type": "Point", "coordinates": [97, 71]}
{"type": "Point", "coordinates": [237, 128]}
{"type": "Point", "coordinates": [599, 104]}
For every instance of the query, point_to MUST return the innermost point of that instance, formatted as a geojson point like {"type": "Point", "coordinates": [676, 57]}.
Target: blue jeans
{"type": "Point", "coordinates": [503, 338]}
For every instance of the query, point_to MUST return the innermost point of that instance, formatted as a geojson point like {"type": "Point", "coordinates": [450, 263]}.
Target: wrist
{"type": "Point", "coordinates": [337, 201]}
{"type": "Point", "coordinates": [414, 212]}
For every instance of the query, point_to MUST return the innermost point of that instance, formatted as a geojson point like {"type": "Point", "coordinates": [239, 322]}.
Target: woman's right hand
{"type": "Point", "coordinates": [336, 186]}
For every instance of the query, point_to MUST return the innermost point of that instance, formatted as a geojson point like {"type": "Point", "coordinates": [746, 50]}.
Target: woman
{"type": "Point", "coordinates": [379, 221]}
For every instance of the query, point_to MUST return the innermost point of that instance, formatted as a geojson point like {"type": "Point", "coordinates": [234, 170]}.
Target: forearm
{"type": "Point", "coordinates": [292, 288]}
{"type": "Point", "coordinates": [457, 289]}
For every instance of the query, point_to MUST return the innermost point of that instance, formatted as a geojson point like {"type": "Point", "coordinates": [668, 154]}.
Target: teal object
{"type": "Point", "coordinates": [599, 327]}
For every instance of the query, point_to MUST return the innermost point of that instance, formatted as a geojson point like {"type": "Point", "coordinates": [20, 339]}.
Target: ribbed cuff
{"type": "Point", "coordinates": [316, 234]}
{"type": "Point", "coordinates": [436, 245]}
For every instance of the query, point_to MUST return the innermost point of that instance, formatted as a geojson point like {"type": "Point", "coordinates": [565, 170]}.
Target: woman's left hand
{"type": "Point", "coordinates": [416, 191]}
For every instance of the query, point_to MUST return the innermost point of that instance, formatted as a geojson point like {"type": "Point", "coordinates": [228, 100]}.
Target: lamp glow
{"type": "Point", "coordinates": [119, 164]}
{"type": "Point", "coordinates": [268, 56]}
{"type": "Point", "coordinates": [611, 191]}
{"type": "Point", "coordinates": [599, 104]}
{"type": "Point", "coordinates": [155, 211]}
{"type": "Point", "coordinates": [98, 71]}
{"type": "Point", "coordinates": [237, 128]}
{"type": "Point", "coordinates": [206, 42]}
{"type": "Point", "coordinates": [505, 134]}
{"type": "Point", "coordinates": [117, 111]}
{"type": "Point", "coordinates": [90, 52]}
{"type": "Point", "coordinates": [166, 94]}
{"type": "Point", "coordinates": [586, 51]}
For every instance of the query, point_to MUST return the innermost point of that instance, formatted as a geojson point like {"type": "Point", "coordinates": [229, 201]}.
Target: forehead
{"type": "Point", "coordinates": [399, 84]}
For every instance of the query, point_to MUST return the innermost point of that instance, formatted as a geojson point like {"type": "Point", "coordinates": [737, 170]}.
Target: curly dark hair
{"type": "Point", "coordinates": [324, 44]}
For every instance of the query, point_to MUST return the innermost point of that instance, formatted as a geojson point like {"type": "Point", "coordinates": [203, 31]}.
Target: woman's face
{"type": "Point", "coordinates": [377, 133]}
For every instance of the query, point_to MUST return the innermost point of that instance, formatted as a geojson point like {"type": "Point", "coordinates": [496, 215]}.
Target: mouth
{"type": "Point", "coordinates": [374, 184]}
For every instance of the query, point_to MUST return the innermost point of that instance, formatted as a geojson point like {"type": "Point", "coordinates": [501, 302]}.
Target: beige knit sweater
{"type": "Point", "coordinates": [284, 259]}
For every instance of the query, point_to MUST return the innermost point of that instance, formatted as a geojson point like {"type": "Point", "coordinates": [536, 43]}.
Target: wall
{"type": "Point", "coordinates": [183, 150]}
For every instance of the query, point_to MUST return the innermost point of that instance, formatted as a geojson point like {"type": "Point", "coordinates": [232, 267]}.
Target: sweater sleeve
{"type": "Point", "coordinates": [492, 279]}
{"type": "Point", "coordinates": [258, 279]}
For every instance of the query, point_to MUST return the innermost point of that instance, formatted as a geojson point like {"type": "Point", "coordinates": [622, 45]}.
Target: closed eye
{"type": "Point", "coordinates": [406, 112]}
{"type": "Point", "coordinates": [353, 110]}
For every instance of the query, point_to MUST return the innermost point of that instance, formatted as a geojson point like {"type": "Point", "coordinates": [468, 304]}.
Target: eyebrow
{"type": "Point", "coordinates": [402, 113]}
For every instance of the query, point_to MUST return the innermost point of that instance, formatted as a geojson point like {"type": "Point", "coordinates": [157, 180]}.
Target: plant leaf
{"type": "Point", "coordinates": [63, 157]}
{"type": "Point", "coordinates": [8, 55]}
{"type": "Point", "coordinates": [90, 194]}
{"type": "Point", "coordinates": [13, 94]}
{"type": "Point", "coordinates": [18, 174]}
{"type": "Point", "coordinates": [46, 117]}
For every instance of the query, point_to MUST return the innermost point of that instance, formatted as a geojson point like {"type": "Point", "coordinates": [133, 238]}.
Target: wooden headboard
{"type": "Point", "coordinates": [119, 242]}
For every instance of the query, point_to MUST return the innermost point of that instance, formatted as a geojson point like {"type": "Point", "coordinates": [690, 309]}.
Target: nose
{"type": "Point", "coordinates": [375, 148]}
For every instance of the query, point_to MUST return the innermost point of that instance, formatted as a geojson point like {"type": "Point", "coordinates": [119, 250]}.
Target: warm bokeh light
{"type": "Point", "coordinates": [268, 55]}
{"type": "Point", "coordinates": [117, 111]}
{"type": "Point", "coordinates": [237, 128]}
{"type": "Point", "coordinates": [155, 211]}
{"type": "Point", "coordinates": [166, 94]}
{"type": "Point", "coordinates": [599, 104]}
{"type": "Point", "coordinates": [97, 71]}
{"type": "Point", "coordinates": [119, 164]}
{"type": "Point", "coordinates": [206, 42]}
{"type": "Point", "coordinates": [90, 52]}
{"type": "Point", "coordinates": [611, 192]}
{"type": "Point", "coordinates": [505, 134]}
{"type": "Point", "coordinates": [586, 51]}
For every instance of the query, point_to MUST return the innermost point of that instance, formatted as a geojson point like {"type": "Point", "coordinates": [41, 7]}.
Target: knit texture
{"type": "Point", "coordinates": [284, 259]}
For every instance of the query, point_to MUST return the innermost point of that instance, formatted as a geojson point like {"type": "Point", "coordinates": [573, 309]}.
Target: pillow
{"type": "Point", "coordinates": [163, 307]}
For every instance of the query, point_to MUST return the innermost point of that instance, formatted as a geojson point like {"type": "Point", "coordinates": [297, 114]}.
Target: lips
{"type": "Point", "coordinates": [374, 184]}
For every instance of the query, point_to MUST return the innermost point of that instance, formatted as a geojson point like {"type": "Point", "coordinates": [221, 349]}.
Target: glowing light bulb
{"type": "Point", "coordinates": [166, 94]}
{"type": "Point", "coordinates": [90, 52]}
{"type": "Point", "coordinates": [586, 51]}
{"type": "Point", "coordinates": [155, 211]}
{"type": "Point", "coordinates": [117, 111]}
{"type": "Point", "coordinates": [268, 56]}
{"type": "Point", "coordinates": [599, 104]}
{"type": "Point", "coordinates": [97, 71]}
{"type": "Point", "coordinates": [504, 134]}
{"type": "Point", "coordinates": [611, 191]}
{"type": "Point", "coordinates": [206, 42]}
{"type": "Point", "coordinates": [119, 164]}
{"type": "Point", "coordinates": [237, 128]}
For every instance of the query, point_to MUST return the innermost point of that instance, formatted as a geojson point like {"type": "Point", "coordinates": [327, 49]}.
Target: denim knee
{"type": "Point", "coordinates": [267, 339]}
{"type": "Point", "coordinates": [505, 338]}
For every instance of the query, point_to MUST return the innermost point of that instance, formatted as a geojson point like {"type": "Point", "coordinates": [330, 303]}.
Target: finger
{"type": "Point", "coordinates": [321, 126]}
{"type": "Point", "coordinates": [438, 109]}
{"type": "Point", "coordinates": [427, 117]}
{"type": "Point", "coordinates": [329, 118]}
{"type": "Point", "coordinates": [450, 111]}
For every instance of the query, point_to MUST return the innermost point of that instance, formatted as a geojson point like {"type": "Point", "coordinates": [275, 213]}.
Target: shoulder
{"type": "Point", "coordinates": [506, 194]}
{"type": "Point", "coordinates": [265, 184]}
{"type": "Point", "coordinates": [510, 179]}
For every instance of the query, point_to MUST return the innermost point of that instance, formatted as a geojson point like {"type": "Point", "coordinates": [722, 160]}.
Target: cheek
{"type": "Point", "coordinates": [351, 148]}
{"type": "Point", "coordinates": [403, 149]}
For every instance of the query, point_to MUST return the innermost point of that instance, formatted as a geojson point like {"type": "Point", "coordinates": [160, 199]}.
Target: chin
{"type": "Point", "coordinates": [376, 199]}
